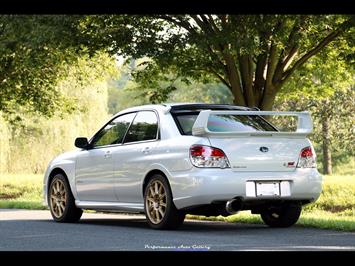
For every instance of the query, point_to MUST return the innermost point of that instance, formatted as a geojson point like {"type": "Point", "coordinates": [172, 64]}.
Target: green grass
{"type": "Point", "coordinates": [23, 191]}
{"type": "Point", "coordinates": [338, 196]}
{"type": "Point", "coordinates": [345, 168]}
{"type": "Point", "coordinates": [335, 209]}
{"type": "Point", "coordinates": [315, 218]}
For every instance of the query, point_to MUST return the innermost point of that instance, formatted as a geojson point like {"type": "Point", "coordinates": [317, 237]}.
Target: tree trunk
{"type": "Point", "coordinates": [245, 66]}
{"type": "Point", "coordinates": [234, 80]}
{"type": "Point", "coordinates": [268, 98]}
{"type": "Point", "coordinates": [327, 156]}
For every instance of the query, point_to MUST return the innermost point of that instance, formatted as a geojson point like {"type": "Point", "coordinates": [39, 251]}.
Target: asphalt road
{"type": "Point", "coordinates": [24, 230]}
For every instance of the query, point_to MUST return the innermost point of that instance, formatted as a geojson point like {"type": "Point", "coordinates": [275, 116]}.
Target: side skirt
{"type": "Point", "coordinates": [111, 206]}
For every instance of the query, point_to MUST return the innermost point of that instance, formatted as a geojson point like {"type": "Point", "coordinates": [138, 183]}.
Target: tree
{"type": "Point", "coordinates": [333, 119]}
{"type": "Point", "coordinates": [125, 92]}
{"type": "Point", "coordinates": [253, 55]}
{"type": "Point", "coordinates": [327, 91]}
{"type": "Point", "coordinates": [85, 85]}
{"type": "Point", "coordinates": [34, 51]}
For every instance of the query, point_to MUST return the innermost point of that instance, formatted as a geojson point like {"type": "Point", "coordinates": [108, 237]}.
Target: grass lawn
{"type": "Point", "coordinates": [334, 209]}
{"type": "Point", "coordinates": [23, 191]}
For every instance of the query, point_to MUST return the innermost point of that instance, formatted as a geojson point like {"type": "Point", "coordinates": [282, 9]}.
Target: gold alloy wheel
{"type": "Point", "coordinates": [156, 201]}
{"type": "Point", "coordinates": [58, 197]}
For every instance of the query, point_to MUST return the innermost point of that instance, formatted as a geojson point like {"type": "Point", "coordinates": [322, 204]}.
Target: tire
{"type": "Point", "coordinates": [281, 216]}
{"type": "Point", "coordinates": [61, 201]}
{"type": "Point", "coordinates": [158, 215]}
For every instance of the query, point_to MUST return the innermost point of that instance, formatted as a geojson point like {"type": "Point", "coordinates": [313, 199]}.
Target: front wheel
{"type": "Point", "coordinates": [61, 201]}
{"type": "Point", "coordinates": [281, 216]}
{"type": "Point", "coordinates": [159, 208]}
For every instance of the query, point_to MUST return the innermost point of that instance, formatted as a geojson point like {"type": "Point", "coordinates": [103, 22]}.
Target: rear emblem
{"type": "Point", "coordinates": [264, 149]}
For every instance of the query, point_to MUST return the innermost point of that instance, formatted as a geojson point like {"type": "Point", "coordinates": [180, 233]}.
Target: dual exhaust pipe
{"type": "Point", "coordinates": [233, 206]}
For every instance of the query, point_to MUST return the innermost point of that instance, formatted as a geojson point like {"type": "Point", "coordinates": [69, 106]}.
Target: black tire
{"type": "Point", "coordinates": [172, 218]}
{"type": "Point", "coordinates": [281, 216]}
{"type": "Point", "coordinates": [71, 213]}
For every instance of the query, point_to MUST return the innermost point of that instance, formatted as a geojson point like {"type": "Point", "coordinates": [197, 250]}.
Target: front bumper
{"type": "Point", "coordinates": [204, 186]}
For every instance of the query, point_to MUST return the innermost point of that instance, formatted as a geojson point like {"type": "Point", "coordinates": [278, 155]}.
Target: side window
{"type": "Point", "coordinates": [114, 131]}
{"type": "Point", "coordinates": [144, 127]}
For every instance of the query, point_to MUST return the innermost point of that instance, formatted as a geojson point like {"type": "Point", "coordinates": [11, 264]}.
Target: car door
{"type": "Point", "coordinates": [132, 159]}
{"type": "Point", "coordinates": [94, 166]}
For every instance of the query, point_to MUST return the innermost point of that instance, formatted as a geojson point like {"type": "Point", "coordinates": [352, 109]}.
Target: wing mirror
{"type": "Point", "coordinates": [81, 143]}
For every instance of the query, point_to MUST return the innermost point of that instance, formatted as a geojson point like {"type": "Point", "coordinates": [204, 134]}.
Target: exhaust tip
{"type": "Point", "coordinates": [233, 206]}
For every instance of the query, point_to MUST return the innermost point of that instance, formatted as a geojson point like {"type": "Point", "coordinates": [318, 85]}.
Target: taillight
{"type": "Point", "coordinates": [206, 156]}
{"type": "Point", "coordinates": [307, 158]}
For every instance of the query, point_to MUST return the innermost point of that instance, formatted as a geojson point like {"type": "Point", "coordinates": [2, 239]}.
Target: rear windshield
{"type": "Point", "coordinates": [225, 123]}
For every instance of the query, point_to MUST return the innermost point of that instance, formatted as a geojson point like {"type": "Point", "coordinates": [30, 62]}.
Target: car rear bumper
{"type": "Point", "coordinates": [204, 186]}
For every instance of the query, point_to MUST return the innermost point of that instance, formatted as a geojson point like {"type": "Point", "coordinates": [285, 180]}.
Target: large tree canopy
{"type": "Point", "coordinates": [33, 51]}
{"type": "Point", "coordinates": [253, 55]}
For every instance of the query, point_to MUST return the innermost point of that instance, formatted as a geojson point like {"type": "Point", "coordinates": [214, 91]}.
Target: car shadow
{"type": "Point", "coordinates": [188, 225]}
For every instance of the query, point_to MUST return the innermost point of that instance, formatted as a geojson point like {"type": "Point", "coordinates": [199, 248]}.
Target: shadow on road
{"type": "Point", "coordinates": [188, 226]}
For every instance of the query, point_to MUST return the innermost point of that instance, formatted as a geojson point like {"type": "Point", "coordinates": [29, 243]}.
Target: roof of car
{"type": "Point", "coordinates": [184, 107]}
{"type": "Point", "coordinates": [177, 107]}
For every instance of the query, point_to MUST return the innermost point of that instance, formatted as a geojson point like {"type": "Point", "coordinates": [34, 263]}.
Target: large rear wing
{"type": "Point", "coordinates": [304, 124]}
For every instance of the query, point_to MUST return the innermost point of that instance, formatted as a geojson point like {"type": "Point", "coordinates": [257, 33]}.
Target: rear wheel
{"type": "Point", "coordinates": [61, 201]}
{"type": "Point", "coordinates": [159, 208]}
{"type": "Point", "coordinates": [281, 216]}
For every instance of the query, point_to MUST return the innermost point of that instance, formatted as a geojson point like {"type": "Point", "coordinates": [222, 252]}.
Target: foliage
{"type": "Point", "coordinates": [325, 87]}
{"type": "Point", "coordinates": [253, 55]}
{"type": "Point", "coordinates": [181, 58]}
{"type": "Point", "coordinates": [86, 87]}
{"type": "Point", "coordinates": [321, 76]}
{"type": "Point", "coordinates": [5, 136]}
{"type": "Point", "coordinates": [202, 92]}
{"type": "Point", "coordinates": [135, 95]}
{"type": "Point", "coordinates": [125, 92]}
{"type": "Point", "coordinates": [34, 53]}
{"type": "Point", "coordinates": [339, 110]}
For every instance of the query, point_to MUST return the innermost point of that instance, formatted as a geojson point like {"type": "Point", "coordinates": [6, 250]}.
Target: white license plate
{"type": "Point", "coordinates": [268, 189]}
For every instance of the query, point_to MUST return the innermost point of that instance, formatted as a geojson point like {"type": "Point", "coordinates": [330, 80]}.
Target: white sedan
{"type": "Point", "coordinates": [172, 159]}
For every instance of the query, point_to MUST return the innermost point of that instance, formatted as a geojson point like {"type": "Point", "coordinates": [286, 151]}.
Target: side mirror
{"type": "Point", "coordinates": [81, 143]}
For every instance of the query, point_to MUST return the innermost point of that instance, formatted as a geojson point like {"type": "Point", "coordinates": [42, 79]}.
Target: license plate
{"type": "Point", "coordinates": [268, 189]}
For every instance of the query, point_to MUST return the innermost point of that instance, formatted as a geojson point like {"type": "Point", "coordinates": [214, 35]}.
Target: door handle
{"type": "Point", "coordinates": [107, 154]}
{"type": "Point", "coordinates": [146, 150]}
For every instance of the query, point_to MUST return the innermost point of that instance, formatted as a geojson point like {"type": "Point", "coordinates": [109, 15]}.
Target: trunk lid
{"type": "Point", "coordinates": [250, 142]}
{"type": "Point", "coordinates": [254, 154]}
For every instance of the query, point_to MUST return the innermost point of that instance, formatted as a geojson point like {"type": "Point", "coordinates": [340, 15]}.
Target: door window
{"type": "Point", "coordinates": [144, 127]}
{"type": "Point", "coordinates": [114, 131]}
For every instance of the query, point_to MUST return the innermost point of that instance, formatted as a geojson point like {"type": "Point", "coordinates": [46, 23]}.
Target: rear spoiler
{"type": "Point", "coordinates": [304, 124]}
